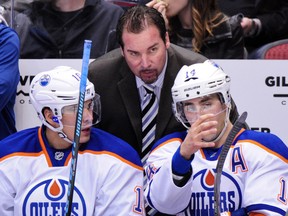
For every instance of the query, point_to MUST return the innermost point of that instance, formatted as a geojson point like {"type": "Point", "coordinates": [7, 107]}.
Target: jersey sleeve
{"type": "Point", "coordinates": [266, 182]}
{"type": "Point", "coordinates": [6, 201]}
{"type": "Point", "coordinates": [161, 192]}
{"type": "Point", "coordinates": [122, 190]}
{"type": "Point", "coordinates": [7, 190]}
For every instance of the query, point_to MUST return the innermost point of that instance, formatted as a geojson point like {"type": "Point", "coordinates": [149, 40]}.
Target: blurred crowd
{"type": "Point", "coordinates": [217, 29]}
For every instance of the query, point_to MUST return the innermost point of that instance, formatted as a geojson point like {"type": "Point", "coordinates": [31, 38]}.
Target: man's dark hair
{"type": "Point", "coordinates": [138, 18]}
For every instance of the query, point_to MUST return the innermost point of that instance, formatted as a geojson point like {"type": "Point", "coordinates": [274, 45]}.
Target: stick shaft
{"type": "Point", "coordinates": [221, 160]}
{"type": "Point", "coordinates": [78, 125]}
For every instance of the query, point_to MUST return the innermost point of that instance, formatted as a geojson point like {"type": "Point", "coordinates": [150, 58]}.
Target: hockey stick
{"type": "Point", "coordinates": [78, 124]}
{"type": "Point", "coordinates": [238, 125]}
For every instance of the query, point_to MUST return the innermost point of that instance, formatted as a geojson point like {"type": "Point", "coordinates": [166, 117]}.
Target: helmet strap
{"type": "Point", "coordinates": [64, 136]}
{"type": "Point", "coordinates": [59, 130]}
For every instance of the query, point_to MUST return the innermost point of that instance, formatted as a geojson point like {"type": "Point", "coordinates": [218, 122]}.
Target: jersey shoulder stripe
{"type": "Point", "coordinates": [25, 141]}
{"type": "Point", "coordinates": [268, 141]}
{"type": "Point", "coordinates": [104, 142]}
{"type": "Point", "coordinates": [168, 138]}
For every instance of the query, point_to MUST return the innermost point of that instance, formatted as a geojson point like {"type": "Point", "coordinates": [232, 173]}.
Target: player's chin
{"type": "Point", "coordinates": [209, 138]}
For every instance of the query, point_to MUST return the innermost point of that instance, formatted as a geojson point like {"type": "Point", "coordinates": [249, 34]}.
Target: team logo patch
{"type": "Point", "coordinates": [59, 155]}
{"type": "Point", "coordinates": [49, 197]}
{"type": "Point", "coordinates": [44, 80]}
{"type": "Point", "coordinates": [202, 200]}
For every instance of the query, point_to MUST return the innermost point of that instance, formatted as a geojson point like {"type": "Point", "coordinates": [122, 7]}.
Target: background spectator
{"type": "Point", "coordinates": [200, 25]}
{"type": "Point", "coordinates": [9, 71]}
{"type": "Point", "coordinates": [264, 21]}
{"type": "Point", "coordinates": [57, 28]}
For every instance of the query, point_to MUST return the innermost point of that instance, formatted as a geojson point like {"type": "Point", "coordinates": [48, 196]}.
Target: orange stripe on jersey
{"type": "Point", "coordinates": [28, 153]}
{"type": "Point", "coordinates": [105, 152]}
{"type": "Point", "coordinates": [265, 148]}
{"type": "Point", "coordinates": [166, 142]}
{"type": "Point", "coordinates": [202, 153]}
{"type": "Point", "coordinates": [43, 147]}
{"type": "Point", "coordinates": [256, 214]}
{"type": "Point", "coordinates": [21, 154]}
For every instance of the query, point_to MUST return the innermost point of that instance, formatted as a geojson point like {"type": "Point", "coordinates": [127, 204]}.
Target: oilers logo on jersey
{"type": "Point", "coordinates": [48, 197]}
{"type": "Point", "coordinates": [202, 200]}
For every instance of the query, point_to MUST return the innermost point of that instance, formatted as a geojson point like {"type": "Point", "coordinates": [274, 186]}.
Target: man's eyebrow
{"type": "Point", "coordinates": [152, 46]}
{"type": "Point", "coordinates": [129, 50]}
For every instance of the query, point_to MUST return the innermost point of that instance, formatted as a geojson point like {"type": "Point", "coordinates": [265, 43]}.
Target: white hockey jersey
{"type": "Point", "coordinates": [34, 177]}
{"type": "Point", "coordinates": [254, 177]}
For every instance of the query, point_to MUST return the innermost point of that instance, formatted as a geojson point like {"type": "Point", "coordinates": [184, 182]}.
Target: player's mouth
{"type": "Point", "coordinates": [86, 131]}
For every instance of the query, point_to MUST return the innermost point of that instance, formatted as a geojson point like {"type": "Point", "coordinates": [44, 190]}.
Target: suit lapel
{"type": "Point", "coordinates": [131, 100]}
{"type": "Point", "coordinates": [165, 113]}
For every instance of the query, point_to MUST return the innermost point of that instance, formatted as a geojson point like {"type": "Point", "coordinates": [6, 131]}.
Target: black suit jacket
{"type": "Point", "coordinates": [120, 101]}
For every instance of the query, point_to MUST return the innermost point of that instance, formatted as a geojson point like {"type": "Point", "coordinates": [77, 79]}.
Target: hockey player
{"type": "Point", "coordinates": [35, 163]}
{"type": "Point", "coordinates": [181, 167]}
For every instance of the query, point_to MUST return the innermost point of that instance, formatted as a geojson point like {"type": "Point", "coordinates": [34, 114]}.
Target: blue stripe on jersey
{"type": "Point", "coordinates": [103, 141]}
{"type": "Point", "coordinates": [180, 135]}
{"type": "Point", "coordinates": [256, 207]}
{"type": "Point", "coordinates": [268, 140]}
{"type": "Point", "coordinates": [25, 141]}
{"type": "Point", "coordinates": [149, 197]}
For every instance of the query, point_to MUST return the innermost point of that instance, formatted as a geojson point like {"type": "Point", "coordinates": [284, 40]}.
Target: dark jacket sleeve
{"type": "Point", "coordinates": [274, 18]}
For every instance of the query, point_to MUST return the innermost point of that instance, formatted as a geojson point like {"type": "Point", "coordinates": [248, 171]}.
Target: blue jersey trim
{"type": "Point", "coordinates": [181, 166]}
{"type": "Point", "coordinates": [268, 140]}
{"type": "Point", "coordinates": [102, 141]}
{"type": "Point", "coordinates": [257, 207]}
{"type": "Point", "coordinates": [27, 141]}
{"type": "Point", "coordinates": [180, 135]}
{"type": "Point", "coordinates": [148, 196]}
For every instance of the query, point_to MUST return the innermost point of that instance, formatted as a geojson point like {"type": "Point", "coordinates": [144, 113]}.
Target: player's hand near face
{"type": "Point", "coordinates": [203, 127]}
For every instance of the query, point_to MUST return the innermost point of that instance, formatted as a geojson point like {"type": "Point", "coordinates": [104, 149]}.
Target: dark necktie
{"type": "Point", "coordinates": [149, 115]}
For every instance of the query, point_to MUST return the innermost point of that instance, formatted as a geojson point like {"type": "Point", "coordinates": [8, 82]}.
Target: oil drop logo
{"type": "Point", "coordinates": [49, 198]}
{"type": "Point", "coordinates": [202, 199]}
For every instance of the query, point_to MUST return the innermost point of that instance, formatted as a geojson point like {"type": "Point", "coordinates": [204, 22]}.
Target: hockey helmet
{"type": "Point", "coordinates": [198, 80]}
{"type": "Point", "coordinates": [58, 88]}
